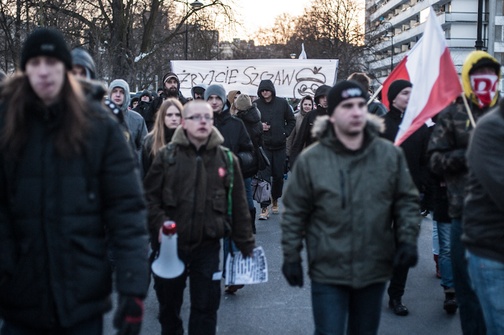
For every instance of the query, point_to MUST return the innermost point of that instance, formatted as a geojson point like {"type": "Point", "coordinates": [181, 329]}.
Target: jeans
{"type": "Point", "coordinates": [435, 238]}
{"type": "Point", "coordinates": [274, 173]}
{"type": "Point", "coordinates": [487, 277]}
{"type": "Point", "coordinates": [90, 327]}
{"type": "Point", "coordinates": [248, 193]}
{"type": "Point", "coordinates": [334, 305]}
{"type": "Point", "coordinates": [445, 263]}
{"type": "Point", "coordinates": [471, 314]}
{"type": "Point", "coordinates": [201, 265]}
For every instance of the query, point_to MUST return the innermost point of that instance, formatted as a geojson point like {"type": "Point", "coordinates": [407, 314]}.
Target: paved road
{"type": "Point", "coordinates": [275, 308]}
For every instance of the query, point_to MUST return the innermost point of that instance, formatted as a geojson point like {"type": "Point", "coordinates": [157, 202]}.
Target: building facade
{"type": "Point", "coordinates": [394, 26]}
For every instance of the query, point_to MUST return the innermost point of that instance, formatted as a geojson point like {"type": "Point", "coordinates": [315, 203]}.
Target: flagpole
{"type": "Point", "coordinates": [466, 104]}
{"type": "Point", "coordinates": [374, 95]}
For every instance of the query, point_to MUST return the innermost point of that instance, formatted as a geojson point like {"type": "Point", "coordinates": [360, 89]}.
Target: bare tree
{"type": "Point", "coordinates": [130, 39]}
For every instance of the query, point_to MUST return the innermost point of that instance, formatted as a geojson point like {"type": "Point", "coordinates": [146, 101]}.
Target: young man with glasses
{"type": "Point", "coordinates": [188, 183]}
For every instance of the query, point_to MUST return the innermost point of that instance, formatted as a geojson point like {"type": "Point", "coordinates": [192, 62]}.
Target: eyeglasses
{"type": "Point", "coordinates": [173, 114]}
{"type": "Point", "coordinates": [199, 117]}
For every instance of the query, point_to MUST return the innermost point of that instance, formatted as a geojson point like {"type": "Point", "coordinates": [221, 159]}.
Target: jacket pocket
{"type": "Point", "coordinates": [218, 227]}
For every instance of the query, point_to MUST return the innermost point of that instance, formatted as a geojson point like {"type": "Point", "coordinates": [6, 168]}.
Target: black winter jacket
{"type": "Point", "coordinates": [304, 137]}
{"type": "Point", "coordinates": [414, 147]}
{"type": "Point", "coordinates": [56, 215]}
{"type": "Point", "coordinates": [235, 136]}
{"type": "Point", "coordinates": [252, 120]}
{"type": "Point", "coordinates": [278, 114]}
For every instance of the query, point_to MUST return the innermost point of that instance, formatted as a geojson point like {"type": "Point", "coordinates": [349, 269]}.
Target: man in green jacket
{"type": "Point", "coordinates": [344, 194]}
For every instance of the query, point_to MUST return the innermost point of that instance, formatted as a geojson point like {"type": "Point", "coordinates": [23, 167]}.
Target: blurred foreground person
{"type": "Point", "coordinates": [331, 201]}
{"type": "Point", "coordinates": [447, 148]}
{"type": "Point", "coordinates": [68, 184]}
{"type": "Point", "coordinates": [484, 217]}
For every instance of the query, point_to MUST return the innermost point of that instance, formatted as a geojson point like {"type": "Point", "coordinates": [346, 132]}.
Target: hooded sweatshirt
{"type": "Point", "coordinates": [278, 114]}
{"type": "Point", "coordinates": [134, 121]}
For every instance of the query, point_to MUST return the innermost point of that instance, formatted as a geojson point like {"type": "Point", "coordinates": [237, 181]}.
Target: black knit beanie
{"type": "Point", "coordinates": [344, 90]}
{"type": "Point", "coordinates": [396, 87]}
{"type": "Point", "coordinates": [46, 42]}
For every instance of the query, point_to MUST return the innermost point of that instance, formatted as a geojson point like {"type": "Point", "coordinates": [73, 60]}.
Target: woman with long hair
{"type": "Point", "coordinates": [167, 120]}
{"type": "Point", "coordinates": [306, 105]}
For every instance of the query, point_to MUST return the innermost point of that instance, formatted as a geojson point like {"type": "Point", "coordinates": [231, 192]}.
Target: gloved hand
{"type": "Point", "coordinates": [406, 255]}
{"type": "Point", "coordinates": [129, 314]}
{"type": "Point", "coordinates": [293, 272]}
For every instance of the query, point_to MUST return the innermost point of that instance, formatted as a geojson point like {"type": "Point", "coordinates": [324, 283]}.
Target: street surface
{"type": "Point", "coordinates": [275, 308]}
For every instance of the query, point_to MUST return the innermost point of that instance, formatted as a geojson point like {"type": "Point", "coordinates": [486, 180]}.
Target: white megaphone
{"type": "Point", "coordinates": [168, 265]}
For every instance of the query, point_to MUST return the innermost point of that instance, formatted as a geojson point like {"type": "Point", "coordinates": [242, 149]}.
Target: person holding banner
{"type": "Point", "coordinates": [447, 148]}
{"type": "Point", "coordinates": [278, 122]}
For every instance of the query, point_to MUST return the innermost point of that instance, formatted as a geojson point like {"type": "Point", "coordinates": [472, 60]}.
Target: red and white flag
{"type": "Point", "coordinates": [429, 67]}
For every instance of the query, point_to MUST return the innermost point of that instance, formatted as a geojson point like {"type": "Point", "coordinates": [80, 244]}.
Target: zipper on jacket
{"type": "Point", "coordinates": [342, 188]}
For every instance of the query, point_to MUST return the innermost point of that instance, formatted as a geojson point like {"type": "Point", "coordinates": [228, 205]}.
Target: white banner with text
{"type": "Point", "coordinates": [293, 78]}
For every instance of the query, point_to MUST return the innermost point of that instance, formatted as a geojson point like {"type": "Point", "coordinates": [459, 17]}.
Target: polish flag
{"type": "Point", "coordinates": [429, 67]}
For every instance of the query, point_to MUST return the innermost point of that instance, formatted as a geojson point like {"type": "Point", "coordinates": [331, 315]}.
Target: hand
{"type": "Point", "coordinates": [129, 315]}
{"type": "Point", "coordinates": [266, 126]}
{"type": "Point", "coordinates": [293, 272]}
{"type": "Point", "coordinates": [406, 255]}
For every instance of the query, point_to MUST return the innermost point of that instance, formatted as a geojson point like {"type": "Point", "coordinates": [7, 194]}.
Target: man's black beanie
{"type": "Point", "coordinates": [395, 88]}
{"type": "Point", "coordinates": [46, 42]}
{"type": "Point", "coordinates": [346, 89]}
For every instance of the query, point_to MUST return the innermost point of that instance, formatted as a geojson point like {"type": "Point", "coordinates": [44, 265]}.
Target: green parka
{"type": "Point", "coordinates": [190, 188]}
{"type": "Point", "coordinates": [352, 207]}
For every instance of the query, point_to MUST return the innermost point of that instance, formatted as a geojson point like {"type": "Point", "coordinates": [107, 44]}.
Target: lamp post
{"type": "Point", "coordinates": [479, 25]}
{"type": "Point", "coordinates": [195, 6]}
{"type": "Point", "coordinates": [391, 44]}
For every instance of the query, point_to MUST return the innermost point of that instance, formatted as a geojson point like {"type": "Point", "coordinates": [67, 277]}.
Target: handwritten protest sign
{"type": "Point", "coordinates": [293, 78]}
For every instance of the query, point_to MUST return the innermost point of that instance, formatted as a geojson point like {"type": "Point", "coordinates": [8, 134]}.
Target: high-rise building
{"type": "Point", "coordinates": [394, 26]}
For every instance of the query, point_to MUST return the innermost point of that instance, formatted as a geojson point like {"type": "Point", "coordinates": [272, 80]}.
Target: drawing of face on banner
{"type": "Point", "coordinates": [308, 80]}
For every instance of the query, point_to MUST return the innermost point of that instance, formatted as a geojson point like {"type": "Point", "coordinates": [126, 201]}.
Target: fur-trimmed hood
{"type": "Point", "coordinates": [180, 138]}
{"type": "Point", "coordinates": [374, 124]}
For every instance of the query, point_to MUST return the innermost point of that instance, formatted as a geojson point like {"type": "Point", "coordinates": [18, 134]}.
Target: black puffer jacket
{"type": "Point", "coordinates": [252, 120]}
{"type": "Point", "coordinates": [55, 216]}
{"type": "Point", "coordinates": [278, 114]}
{"type": "Point", "coordinates": [304, 137]}
{"type": "Point", "coordinates": [236, 137]}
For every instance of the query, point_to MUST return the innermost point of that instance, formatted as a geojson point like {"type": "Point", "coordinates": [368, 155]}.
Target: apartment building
{"type": "Point", "coordinates": [394, 26]}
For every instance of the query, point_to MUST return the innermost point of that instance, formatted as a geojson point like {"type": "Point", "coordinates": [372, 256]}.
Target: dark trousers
{"type": "Point", "coordinates": [398, 283]}
{"type": "Point", "coordinates": [90, 327]}
{"type": "Point", "coordinates": [335, 306]}
{"type": "Point", "coordinates": [471, 314]}
{"type": "Point", "coordinates": [201, 265]}
{"type": "Point", "coordinates": [274, 173]}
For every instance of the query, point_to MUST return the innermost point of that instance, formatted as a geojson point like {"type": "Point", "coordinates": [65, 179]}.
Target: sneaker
{"type": "Point", "coordinates": [450, 304]}
{"type": "Point", "coordinates": [274, 208]}
{"type": "Point", "coordinates": [264, 214]}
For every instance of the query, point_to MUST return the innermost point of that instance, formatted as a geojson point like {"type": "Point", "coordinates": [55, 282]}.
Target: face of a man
{"type": "Point", "coordinates": [79, 71]}
{"type": "Point", "coordinates": [145, 98]}
{"type": "Point", "coordinates": [117, 96]}
{"type": "Point", "coordinates": [267, 95]}
{"type": "Point", "coordinates": [216, 103]}
{"type": "Point", "coordinates": [323, 101]}
{"type": "Point", "coordinates": [46, 76]}
{"type": "Point", "coordinates": [401, 100]}
{"type": "Point", "coordinates": [197, 121]}
{"type": "Point", "coordinates": [349, 117]}
{"type": "Point", "coordinates": [172, 86]}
